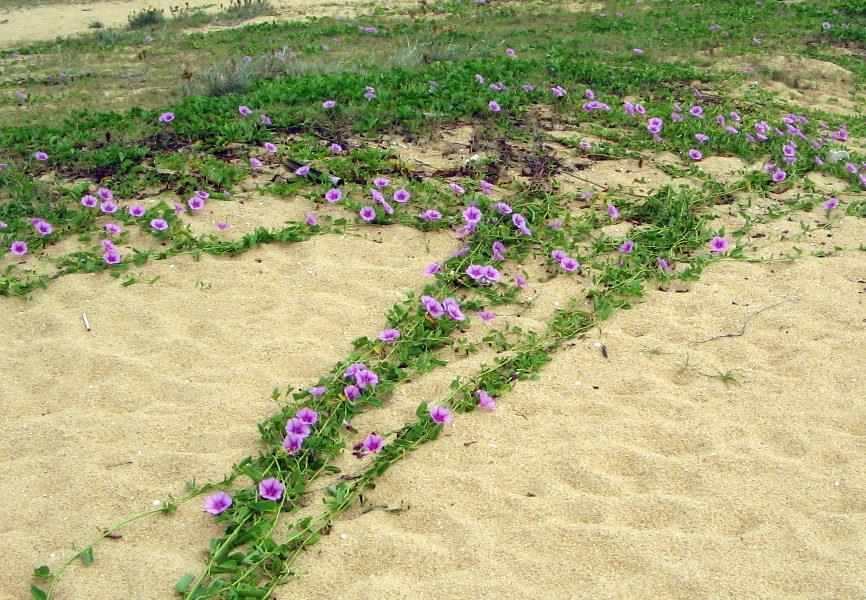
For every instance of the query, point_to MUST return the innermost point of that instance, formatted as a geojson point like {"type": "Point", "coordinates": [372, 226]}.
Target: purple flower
{"type": "Point", "coordinates": [307, 416]}
{"type": "Point", "coordinates": [381, 182]}
{"type": "Point", "coordinates": [159, 224]}
{"type": "Point", "coordinates": [136, 210]}
{"type": "Point", "coordinates": [372, 443]}
{"type": "Point", "coordinates": [108, 207]}
{"type": "Point", "coordinates": [270, 148]}
{"type": "Point", "coordinates": [479, 78]}
{"type": "Point", "coordinates": [366, 378]}
{"type": "Point", "coordinates": [43, 227]}
{"type": "Point", "coordinates": [569, 264]}
{"type": "Point", "coordinates": [89, 201]}
{"type": "Point", "coordinates": [297, 427]}
{"type": "Point", "coordinates": [389, 335]}
{"type": "Point", "coordinates": [830, 204]}
{"type": "Point", "coordinates": [351, 392]}
{"type": "Point", "coordinates": [433, 268]}
{"type": "Point", "coordinates": [333, 195]}
{"type": "Point", "coordinates": [196, 203]}
{"type": "Point", "coordinates": [40, 156]}
{"type": "Point", "coordinates": [494, 106]}
{"type": "Point", "coordinates": [18, 248]}
{"type": "Point", "coordinates": [528, 87]}
{"type": "Point", "coordinates": [329, 104]}
{"type": "Point", "coordinates": [484, 275]}
{"type": "Point", "coordinates": [503, 208]}
{"type": "Point", "coordinates": [638, 51]}
{"type": "Point", "coordinates": [612, 212]}
{"type": "Point", "coordinates": [292, 443]}
{"type": "Point", "coordinates": [113, 228]}
{"type": "Point", "coordinates": [255, 163]}
{"type": "Point", "coordinates": [266, 120]}
{"type": "Point", "coordinates": [336, 148]}
{"type": "Point", "coordinates": [453, 309]}
{"type": "Point", "coordinates": [457, 188]}
{"type": "Point", "coordinates": [166, 117]}
{"type": "Point", "coordinates": [654, 125]}
{"type": "Point", "coordinates": [434, 307]}
{"type": "Point", "coordinates": [510, 52]}
{"type": "Point", "coordinates": [368, 213]}
{"type": "Point", "coordinates": [719, 244]}
{"type": "Point", "coordinates": [558, 91]}
{"type": "Point", "coordinates": [519, 281]}
{"type": "Point", "coordinates": [107, 245]}
{"type": "Point", "coordinates": [401, 196]}
{"type": "Point", "coordinates": [498, 248]}
{"type": "Point", "coordinates": [441, 415]}
{"type": "Point", "coordinates": [430, 215]}
{"type": "Point", "coordinates": [377, 195]}
{"type": "Point", "coordinates": [271, 489]}
{"type": "Point", "coordinates": [695, 154]}
{"type": "Point", "coordinates": [485, 400]}
{"type": "Point", "coordinates": [3, 225]}
{"type": "Point", "coordinates": [473, 214]}
{"type": "Point", "coordinates": [779, 175]}
{"type": "Point", "coordinates": [354, 368]}
{"type": "Point", "coordinates": [697, 111]}
{"type": "Point", "coordinates": [111, 257]}
{"type": "Point", "coordinates": [217, 503]}
{"type": "Point", "coordinates": [826, 26]}
{"type": "Point", "coordinates": [520, 223]}
{"type": "Point", "coordinates": [244, 111]}
{"type": "Point", "coordinates": [627, 247]}
{"type": "Point", "coordinates": [715, 27]}
{"type": "Point", "coordinates": [315, 392]}
{"type": "Point", "coordinates": [302, 171]}
{"type": "Point", "coordinates": [663, 264]}
{"type": "Point", "coordinates": [558, 255]}
{"type": "Point", "coordinates": [311, 220]}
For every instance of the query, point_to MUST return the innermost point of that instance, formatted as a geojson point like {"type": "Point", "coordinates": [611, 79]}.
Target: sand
{"type": "Point", "coordinates": [633, 476]}
{"type": "Point", "coordinates": [20, 26]}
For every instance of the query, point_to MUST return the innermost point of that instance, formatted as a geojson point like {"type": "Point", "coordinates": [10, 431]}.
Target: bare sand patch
{"type": "Point", "coordinates": [50, 21]}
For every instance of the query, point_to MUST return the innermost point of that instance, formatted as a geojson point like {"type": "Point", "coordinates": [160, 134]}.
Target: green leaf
{"type": "Point", "coordinates": [86, 556]}
{"type": "Point", "coordinates": [42, 572]}
{"type": "Point", "coordinates": [184, 582]}
{"type": "Point", "coordinates": [37, 593]}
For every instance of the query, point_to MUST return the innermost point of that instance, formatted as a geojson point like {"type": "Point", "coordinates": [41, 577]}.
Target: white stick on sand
{"type": "Point", "coordinates": [86, 322]}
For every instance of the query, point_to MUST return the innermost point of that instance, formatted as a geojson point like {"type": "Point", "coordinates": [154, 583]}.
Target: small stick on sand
{"type": "Point", "coordinates": [742, 330]}
{"type": "Point", "coordinates": [86, 322]}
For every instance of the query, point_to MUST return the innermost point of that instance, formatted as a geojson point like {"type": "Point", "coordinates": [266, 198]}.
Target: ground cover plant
{"type": "Point", "coordinates": [297, 112]}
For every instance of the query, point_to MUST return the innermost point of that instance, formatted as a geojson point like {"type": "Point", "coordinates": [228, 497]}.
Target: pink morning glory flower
{"type": "Point", "coordinates": [695, 154]}
{"type": "Point", "coordinates": [159, 224]}
{"type": "Point", "coordinates": [441, 415]}
{"type": "Point", "coordinates": [430, 215]}
{"type": "Point", "coordinates": [316, 392]}
{"type": "Point", "coordinates": [663, 264]}
{"type": "Point", "coordinates": [329, 104]}
{"type": "Point", "coordinates": [113, 228]}
{"type": "Point", "coordinates": [41, 156]}
{"type": "Point", "coordinates": [270, 147]}
{"type": "Point", "coordinates": [217, 503]}
{"type": "Point", "coordinates": [503, 208]}
{"type": "Point", "coordinates": [381, 182]}
{"type": "Point", "coordinates": [558, 91]}
{"type": "Point", "coordinates": [297, 427]}
{"type": "Point", "coordinates": [222, 225]}
{"type": "Point", "coordinates": [108, 207]}
{"type": "Point", "coordinates": [292, 443]}
{"type": "Point", "coordinates": [111, 257]}
{"type": "Point", "coordinates": [472, 214]}
{"type": "Point", "coordinates": [457, 188]}
{"type": "Point", "coordinates": [368, 213]}
{"type": "Point", "coordinates": [244, 111]}
{"type": "Point", "coordinates": [485, 400]}
{"type": "Point", "coordinates": [434, 307]}
{"type": "Point", "coordinates": [389, 335]}
{"type": "Point", "coordinates": [510, 52]}
{"type": "Point", "coordinates": [307, 416]}
{"type": "Point", "coordinates": [569, 264]}
{"type": "Point", "coordinates": [136, 210]}
{"type": "Point", "coordinates": [779, 175]}
{"type": "Point", "coordinates": [402, 196]}
{"type": "Point", "coordinates": [612, 212]}
{"type": "Point", "coordinates": [498, 248]}
{"type": "Point", "coordinates": [302, 171]}
{"type": "Point", "coordinates": [311, 220]}
{"type": "Point", "coordinates": [43, 227]}
{"type": "Point", "coordinates": [627, 247]}
{"type": "Point", "coordinates": [166, 117]}
{"type": "Point", "coordinates": [486, 315]}
{"type": "Point", "coordinates": [89, 201]}
{"type": "Point", "coordinates": [494, 106]}
{"type": "Point", "coordinates": [18, 248]}
{"type": "Point", "coordinates": [452, 309]}
{"type": "Point", "coordinates": [255, 163]}
{"type": "Point", "coordinates": [351, 392]}
{"type": "Point", "coordinates": [697, 111]}
{"type": "Point", "coordinates": [637, 51]}
{"type": "Point", "coordinates": [372, 443]}
{"type": "Point", "coordinates": [333, 195]}
{"type": "Point", "coordinates": [830, 204]}
{"type": "Point", "coordinates": [719, 244]}
{"type": "Point", "coordinates": [432, 269]}
{"type": "Point", "coordinates": [271, 489]}
{"type": "Point", "coordinates": [519, 280]}
{"type": "Point", "coordinates": [266, 120]}
{"type": "Point", "coordinates": [364, 378]}
{"type": "Point", "coordinates": [196, 203]}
